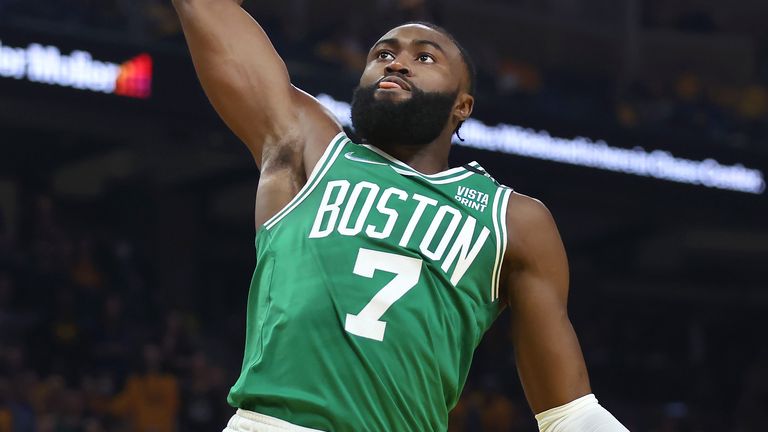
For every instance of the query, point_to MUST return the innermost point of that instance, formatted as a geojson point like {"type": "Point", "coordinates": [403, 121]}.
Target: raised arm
{"type": "Point", "coordinates": [549, 359]}
{"type": "Point", "coordinates": [248, 84]}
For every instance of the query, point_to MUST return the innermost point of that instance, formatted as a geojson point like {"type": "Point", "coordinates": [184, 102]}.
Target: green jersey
{"type": "Point", "coordinates": [372, 289]}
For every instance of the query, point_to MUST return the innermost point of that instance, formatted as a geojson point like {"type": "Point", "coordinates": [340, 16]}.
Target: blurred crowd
{"type": "Point", "coordinates": [90, 341]}
{"type": "Point", "coordinates": [85, 343]}
{"type": "Point", "coordinates": [691, 107]}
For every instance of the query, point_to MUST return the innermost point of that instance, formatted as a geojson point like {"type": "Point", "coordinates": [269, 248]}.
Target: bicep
{"type": "Point", "coordinates": [244, 78]}
{"type": "Point", "coordinates": [547, 352]}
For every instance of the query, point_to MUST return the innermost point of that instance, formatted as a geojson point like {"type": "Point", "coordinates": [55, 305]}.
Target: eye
{"type": "Point", "coordinates": [425, 58]}
{"type": "Point", "coordinates": [385, 55]}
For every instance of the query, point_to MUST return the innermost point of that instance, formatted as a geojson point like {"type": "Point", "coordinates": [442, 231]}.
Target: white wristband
{"type": "Point", "coordinates": [580, 415]}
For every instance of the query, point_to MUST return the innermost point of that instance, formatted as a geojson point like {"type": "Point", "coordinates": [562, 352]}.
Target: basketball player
{"type": "Point", "coordinates": [378, 268]}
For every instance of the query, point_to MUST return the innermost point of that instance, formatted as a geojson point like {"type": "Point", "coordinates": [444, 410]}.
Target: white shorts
{"type": "Point", "coordinates": [249, 421]}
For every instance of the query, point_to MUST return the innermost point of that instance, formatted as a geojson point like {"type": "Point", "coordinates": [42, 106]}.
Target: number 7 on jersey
{"type": "Point", "coordinates": [407, 271]}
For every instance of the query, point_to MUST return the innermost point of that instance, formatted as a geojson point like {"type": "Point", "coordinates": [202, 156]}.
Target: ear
{"type": "Point", "coordinates": [464, 105]}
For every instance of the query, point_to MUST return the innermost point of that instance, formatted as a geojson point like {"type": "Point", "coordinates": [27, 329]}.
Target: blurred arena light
{"type": "Point", "coordinates": [584, 152]}
{"type": "Point", "coordinates": [46, 64]}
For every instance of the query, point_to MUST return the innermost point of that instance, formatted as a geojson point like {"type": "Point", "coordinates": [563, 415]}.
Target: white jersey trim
{"type": "Point", "coordinates": [498, 216]}
{"type": "Point", "coordinates": [441, 181]}
{"type": "Point", "coordinates": [318, 172]}
{"type": "Point", "coordinates": [503, 223]}
{"type": "Point", "coordinates": [438, 178]}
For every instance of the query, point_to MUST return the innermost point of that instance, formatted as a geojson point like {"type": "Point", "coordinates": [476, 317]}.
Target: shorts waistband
{"type": "Point", "coordinates": [272, 421]}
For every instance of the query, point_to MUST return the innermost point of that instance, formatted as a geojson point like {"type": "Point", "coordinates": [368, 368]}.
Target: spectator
{"type": "Point", "coordinates": [150, 400]}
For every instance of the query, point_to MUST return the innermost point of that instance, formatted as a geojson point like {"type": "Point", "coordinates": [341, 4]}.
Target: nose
{"type": "Point", "coordinates": [397, 67]}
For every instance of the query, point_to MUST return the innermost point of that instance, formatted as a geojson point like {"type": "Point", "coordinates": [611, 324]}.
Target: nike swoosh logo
{"type": "Point", "coordinates": [349, 155]}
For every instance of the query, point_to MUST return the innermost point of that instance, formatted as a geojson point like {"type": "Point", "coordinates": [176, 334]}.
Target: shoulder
{"type": "Point", "coordinates": [535, 256]}
{"type": "Point", "coordinates": [525, 213]}
{"type": "Point", "coordinates": [531, 228]}
{"type": "Point", "coordinates": [316, 126]}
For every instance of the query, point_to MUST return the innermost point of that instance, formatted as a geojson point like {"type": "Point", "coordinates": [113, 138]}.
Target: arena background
{"type": "Point", "coordinates": [126, 206]}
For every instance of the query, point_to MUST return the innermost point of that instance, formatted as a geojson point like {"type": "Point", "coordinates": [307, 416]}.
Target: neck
{"type": "Point", "coordinates": [430, 158]}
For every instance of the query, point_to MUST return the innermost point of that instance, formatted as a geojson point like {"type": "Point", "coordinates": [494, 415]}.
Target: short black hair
{"type": "Point", "coordinates": [465, 57]}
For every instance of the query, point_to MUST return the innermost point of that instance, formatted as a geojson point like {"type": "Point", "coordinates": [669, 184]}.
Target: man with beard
{"type": "Point", "coordinates": [379, 268]}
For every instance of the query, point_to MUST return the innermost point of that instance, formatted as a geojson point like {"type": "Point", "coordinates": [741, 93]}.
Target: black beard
{"type": "Point", "coordinates": [416, 121]}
